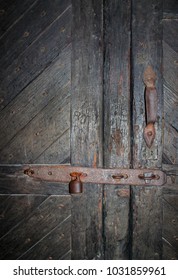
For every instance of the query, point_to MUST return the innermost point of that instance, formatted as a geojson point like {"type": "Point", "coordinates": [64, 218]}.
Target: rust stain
{"type": "Point", "coordinates": [100, 205]}
{"type": "Point", "coordinates": [123, 193]}
{"type": "Point", "coordinates": [116, 142]}
{"type": "Point", "coordinates": [95, 160]}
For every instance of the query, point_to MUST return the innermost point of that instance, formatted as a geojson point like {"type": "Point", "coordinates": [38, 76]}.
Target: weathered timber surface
{"type": "Point", "coordinates": [53, 246]}
{"type": "Point", "coordinates": [15, 208]}
{"type": "Point", "coordinates": [146, 204]}
{"type": "Point", "coordinates": [35, 58]}
{"type": "Point", "coordinates": [86, 125]}
{"type": "Point", "coordinates": [170, 8]}
{"type": "Point", "coordinates": [14, 181]}
{"type": "Point", "coordinates": [170, 149]}
{"type": "Point", "coordinates": [52, 122]}
{"type": "Point", "coordinates": [38, 227]}
{"type": "Point", "coordinates": [117, 16]}
{"type": "Point", "coordinates": [170, 62]}
{"type": "Point", "coordinates": [27, 106]}
{"type": "Point", "coordinates": [10, 14]}
{"type": "Point", "coordinates": [26, 30]}
{"type": "Point", "coordinates": [170, 226]}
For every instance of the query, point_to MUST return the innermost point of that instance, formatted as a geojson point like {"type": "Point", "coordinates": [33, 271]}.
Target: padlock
{"type": "Point", "coordinates": [75, 185]}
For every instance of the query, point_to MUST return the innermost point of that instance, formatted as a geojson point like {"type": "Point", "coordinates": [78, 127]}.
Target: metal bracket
{"type": "Point", "coordinates": [67, 173]}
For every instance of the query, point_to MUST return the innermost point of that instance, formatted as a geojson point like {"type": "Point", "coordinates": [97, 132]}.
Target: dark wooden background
{"type": "Point", "coordinates": [72, 92]}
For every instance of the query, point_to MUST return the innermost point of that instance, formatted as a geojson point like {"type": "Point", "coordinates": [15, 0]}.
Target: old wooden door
{"type": "Point", "coordinates": [72, 92]}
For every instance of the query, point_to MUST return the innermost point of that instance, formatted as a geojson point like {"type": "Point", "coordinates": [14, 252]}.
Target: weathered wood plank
{"type": "Point", "coordinates": [170, 7]}
{"type": "Point", "coordinates": [86, 130]}
{"type": "Point", "coordinates": [44, 129]}
{"type": "Point", "coordinates": [146, 204]}
{"type": "Point", "coordinates": [26, 30]}
{"type": "Point", "coordinates": [171, 169]}
{"type": "Point", "coordinates": [41, 222]}
{"type": "Point", "coordinates": [67, 256]}
{"type": "Point", "coordinates": [15, 209]}
{"type": "Point", "coordinates": [58, 152]}
{"type": "Point", "coordinates": [10, 14]}
{"type": "Point", "coordinates": [13, 181]}
{"type": "Point", "coordinates": [35, 97]}
{"type": "Point", "coordinates": [170, 155]}
{"type": "Point", "coordinates": [170, 226]}
{"type": "Point", "coordinates": [53, 246]}
{"type": "Point", "coordinates": [117, 16]}
{"type": "Point", "coordinates": [170, 30]}
{"type": "Point", "coordinates": [170, 60]}
{"type": "Point", "coordinates": [36, 58]}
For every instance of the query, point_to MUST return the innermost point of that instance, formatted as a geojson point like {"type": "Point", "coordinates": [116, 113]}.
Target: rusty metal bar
{"type": "Point", "coordinates": [64, 173]}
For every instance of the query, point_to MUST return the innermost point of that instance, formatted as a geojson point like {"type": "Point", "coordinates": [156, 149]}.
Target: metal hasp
{"type": "Point", "coordinates": [151, 105]}
{"type": "Point", "coordinates": [75, 176]}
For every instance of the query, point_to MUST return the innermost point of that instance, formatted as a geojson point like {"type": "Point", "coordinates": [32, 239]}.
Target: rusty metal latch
{"type": "Point", "coordinates": [75, 176]}
{"type": "Point", "coordinates": [151, 105]}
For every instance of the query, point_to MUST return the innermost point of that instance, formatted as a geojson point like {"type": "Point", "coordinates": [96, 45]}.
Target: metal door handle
{"type": "Point", "coordinates": [151, 105]}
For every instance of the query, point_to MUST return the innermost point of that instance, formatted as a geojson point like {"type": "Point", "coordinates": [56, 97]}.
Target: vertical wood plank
{"type": "Point", "coordinates": [86, 130]}
{"type": "Point", "coordinates": [146, 203]}
{"type": "Point", "coordinates": [117, 15]}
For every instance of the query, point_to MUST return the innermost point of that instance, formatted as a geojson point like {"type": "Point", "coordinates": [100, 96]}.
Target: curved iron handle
{"type": "Point", "coordinates": [151, 105]}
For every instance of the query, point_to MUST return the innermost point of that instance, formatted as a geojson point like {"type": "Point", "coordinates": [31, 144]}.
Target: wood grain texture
{"type": "Point", "coordinates": [170, 226]}
{"type": "Point", "coordinates": [36, 227]}
{"type": "Point", "coordinates": [146, 50]}
{"type": "Point", "coordinates": [170, 8]}
{"type": "Point", "coordinates": [117, 16]}
{"type": "Point", "coordinates": [55, 245]}
{"type": "Point", "coordinates": [34, 98]}
{"type": "Point", "coordinates": [48, 126]}
{"type": "Point", "coordinates": [26, 30]}
{"type": "Point", "coordinates": [35, 58]}
{"type": "Point", "coordinates": [170, 151]}
{"type": "Point", "coordinates": [14, 181]}
{"type": "Point", "coordinates": [10, 14]}
{"type": "Point", "coordinates": [170, 63]}
{"type": "Point", "coordinates": [16, 208]}
{"type": "Point", "coordinates": [86, 125]}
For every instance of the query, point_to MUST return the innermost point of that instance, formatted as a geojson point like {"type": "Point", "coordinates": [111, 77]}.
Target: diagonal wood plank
{"type": "Point", "coordinates": [15, 209]}
{"type": "Point", "coordinates": [58, 152]}
{"type": "Point", "coordinates": [42, 221]}
{"type": "Point", "coordinates": [54, 245]}
{"type": "Point", "coordinates": [170, 31]}
{"type": "Point", "coordinates": [10, 14]}
{"type": "Point", "coordinates": [170, 62]}
{"type": "Point", "coordinates": [41, 132]}
{"type": "Point", "coordinates": [35, 97]}
{"type": "Point", "coordinates": [36, 58]}
{"type": "Point", "coordinates": [170, 226]}
{"type": "Point", "coordinates": [26, 30]}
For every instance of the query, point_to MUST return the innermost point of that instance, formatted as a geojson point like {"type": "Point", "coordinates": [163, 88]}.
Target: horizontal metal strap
{"type": "Point", "coordinates": [63, 173]}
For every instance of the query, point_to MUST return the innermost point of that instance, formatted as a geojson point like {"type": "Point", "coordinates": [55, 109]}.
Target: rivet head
{"type": "Point", "coordinates": [26, 34]}
{"type": "Point", "coordinates": [42, 49]}
{"type": "Point", "coordinates": [2, 12]}
{"type": "Point", "coordinates": [17, 69]}
{"type": "Point", "coordinates": [43, 13]}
